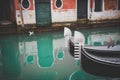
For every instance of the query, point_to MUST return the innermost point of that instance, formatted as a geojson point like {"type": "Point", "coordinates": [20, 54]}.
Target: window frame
{"type": "Point", "coordinates": [102, 6]}
{"type": "Point", "coordinates": [60, 6]}
{"type": "Point", "coordinates": [24, 7]}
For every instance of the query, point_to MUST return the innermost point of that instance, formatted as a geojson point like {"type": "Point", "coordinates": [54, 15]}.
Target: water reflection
{"type": "Point", "coordinates": [103, 39]}
{"type": "Point", "coordinates": [45, 51]}
{"type": "Point", "coordinates": [101, 36]}
{"type": "Point", "coordinates": [10, 58]}
{"type": "Point", "coordinates": [58, 46]}
{"type": "Point", "coordinates": [29, 50]}
{"type": "Point", "coordinates": [44, 57]}
{"type": "Point", "coordinates": [60, 55]}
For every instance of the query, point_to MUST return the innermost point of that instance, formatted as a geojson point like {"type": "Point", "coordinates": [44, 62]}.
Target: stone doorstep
{"type": "Point", "coordinates": [62, 24]}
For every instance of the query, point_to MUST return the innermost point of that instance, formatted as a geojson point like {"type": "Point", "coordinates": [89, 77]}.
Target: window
{"type": "Point", "coordinates": [98, 5]}
{"type": "Point", "coordinates": [25, 4]}
{"type": "Point", "coordinates": [58, 3]}
{"type": "Point", "coordinates": [110, 4]}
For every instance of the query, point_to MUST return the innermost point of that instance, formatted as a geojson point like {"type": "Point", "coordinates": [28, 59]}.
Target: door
{"type": "Point", "coordinates": [43, 13]}
{"type": "Point", "coordinates": [81, 9]}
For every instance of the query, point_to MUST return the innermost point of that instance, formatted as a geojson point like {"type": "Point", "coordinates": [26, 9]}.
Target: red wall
{"type": "Point", "coordinates": [110, 4]}
{"type": "Point", "coordinates": [91, 4]}
{"type": "Point", "coordinates": [17, 6]}
{"type": "Point", "coordinates": [67, 4]}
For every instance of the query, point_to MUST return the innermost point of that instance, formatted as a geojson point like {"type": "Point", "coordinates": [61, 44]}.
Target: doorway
{"type": "Point", "coordinates": [82, 9]}
{"type": "Point", "coordinates": [43, 12]}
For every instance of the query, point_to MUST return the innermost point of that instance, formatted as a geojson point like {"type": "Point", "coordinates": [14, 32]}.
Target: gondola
{"type": "Point", "coordinates": [96, 60]}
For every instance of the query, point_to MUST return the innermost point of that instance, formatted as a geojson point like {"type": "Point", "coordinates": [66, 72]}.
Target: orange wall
{"type": "Point", "coordinates": [91, 3]}
{"type": "Point", "coordinates": [110, 4]}
{"type": "Point", "coordinates": [67, 4]}
{"type": "Point", "coordinates": [17, 6]}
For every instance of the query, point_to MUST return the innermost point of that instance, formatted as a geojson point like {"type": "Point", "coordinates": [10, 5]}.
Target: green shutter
{"type": "Point", "coordinates": [43, 13]}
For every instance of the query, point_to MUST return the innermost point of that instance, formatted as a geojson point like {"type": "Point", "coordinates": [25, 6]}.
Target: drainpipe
{"type": "Point", "coordinates": [19, 3]}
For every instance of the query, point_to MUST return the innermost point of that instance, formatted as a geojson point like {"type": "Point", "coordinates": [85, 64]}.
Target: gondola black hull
{"type": "Point", "coordinates": [98, 69]}
{"type": "Point", "coordinates": [71, 48]}
{"type": "Point", "coordinates": [99, 62]}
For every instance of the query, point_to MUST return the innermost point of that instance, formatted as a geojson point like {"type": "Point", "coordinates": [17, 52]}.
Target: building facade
{"type": "Point", "coordinates": [42, 12]}
{"type": "Point", "coordinates": [103, 9]}
{"type": "Point", "coordinates": [25, 12]}
{"type": "Point", "coordinates": [63, 10]}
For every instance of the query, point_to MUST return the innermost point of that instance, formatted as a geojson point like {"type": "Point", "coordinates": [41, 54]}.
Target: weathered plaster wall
{"type": "Point", "coordinates": [64, 16]}
{"type": "Point", "coordinates": [109, 11]}
{"type": "Point", "coordinates": [112, 14]}
{"type": "Point", "coordinates": [28, 14]}
{"type": "Point", "coordinates": [28, 17]}
{"type": "Point", "coordinates": [66, 13]}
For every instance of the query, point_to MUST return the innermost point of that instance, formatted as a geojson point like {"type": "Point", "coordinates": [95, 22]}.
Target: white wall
{"type": "Point", "coordinates": [64, 15]}
{"type": "Point", "coordinates": [28, 17]}
{"type": "Point", "coordinates": [111, 14]}
{"type": "Point", "coordinates": [102, 15]}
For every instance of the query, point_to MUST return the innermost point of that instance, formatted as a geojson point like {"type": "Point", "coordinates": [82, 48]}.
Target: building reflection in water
{"type": "Point", "coordinates": [43, 56]}
{"type": "Point", "coordinates": [45, 51]}
{"type": "Point", "coordinates": [29, 50]}
{"type": "Point", "coordinates": [103, 39]}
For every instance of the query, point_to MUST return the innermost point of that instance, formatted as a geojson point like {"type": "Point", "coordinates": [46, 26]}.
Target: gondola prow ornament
{"type": "Point", "coordinates": [67, 35]}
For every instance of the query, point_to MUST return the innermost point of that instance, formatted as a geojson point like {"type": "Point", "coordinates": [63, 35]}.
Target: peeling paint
{"type": "Point", "coordinates": [109, 11]}
{"type": "Point", "coordinates": [28, 14]}
{"type": "Point", "coordinates": [112, 14]}
{"type": "Point", "coordinates": [64, 16]}
{"type": "Point", "coordinates": [67, 4]}
{"type": "Point", "coordinates": [66, 13]}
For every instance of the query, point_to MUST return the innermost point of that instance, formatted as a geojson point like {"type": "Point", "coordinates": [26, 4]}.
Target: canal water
{"type": "Point", "coordinates": [43, 56]}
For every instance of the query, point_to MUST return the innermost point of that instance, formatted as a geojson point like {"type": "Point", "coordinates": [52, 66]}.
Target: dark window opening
{"type": "Point", "coordinates": [58, 3]}
{"type": "Point", "coordinates": [25, 4]}
{"type": "Point", "coordinates": [82, 9]}
{"type": "Point", "coordinates": [98, 5]}
{"type": "Point", "coordinates": [118, 4]}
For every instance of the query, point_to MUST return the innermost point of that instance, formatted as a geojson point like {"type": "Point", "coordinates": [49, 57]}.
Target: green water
{"type": "Point", "coordinates": [44, 57]}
